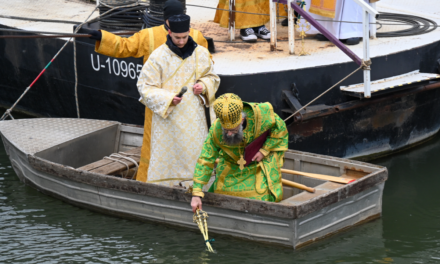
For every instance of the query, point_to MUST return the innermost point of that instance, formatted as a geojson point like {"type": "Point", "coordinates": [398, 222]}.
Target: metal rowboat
{"type": "Point", "coordinates": [46, 154]}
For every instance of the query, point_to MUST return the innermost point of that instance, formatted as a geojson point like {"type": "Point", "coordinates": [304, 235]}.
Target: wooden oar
{"type": "Point", "coordinates": [297, 185]}
{"type": "Point", "coordinates": [318, 176]}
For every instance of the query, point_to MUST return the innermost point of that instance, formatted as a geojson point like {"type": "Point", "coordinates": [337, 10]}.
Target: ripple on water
{"type": "Point", "coordinates": [35, 228]}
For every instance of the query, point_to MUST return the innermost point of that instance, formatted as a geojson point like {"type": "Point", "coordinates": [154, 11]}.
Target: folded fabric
{"type": "Point", "coordinates": [255, 146]}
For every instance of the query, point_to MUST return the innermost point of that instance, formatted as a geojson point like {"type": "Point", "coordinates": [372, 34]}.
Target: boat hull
{"type": "Point", "coordinates": [368, 129]}
{"type": "Point", "coordinates": [285, 223]}
{"type": "Point", "coordinates": [107, 91]}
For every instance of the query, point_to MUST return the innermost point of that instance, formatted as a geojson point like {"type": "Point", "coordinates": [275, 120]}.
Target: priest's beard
{"type": "Point", "coordinates": [235, 139]}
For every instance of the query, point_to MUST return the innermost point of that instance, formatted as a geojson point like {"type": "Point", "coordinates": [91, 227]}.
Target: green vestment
{"type": "Point", "coordinates": [259, 180]}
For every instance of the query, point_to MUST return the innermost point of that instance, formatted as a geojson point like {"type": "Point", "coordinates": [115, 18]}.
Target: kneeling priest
{"type": "Point", "coordinates": [241, 126]}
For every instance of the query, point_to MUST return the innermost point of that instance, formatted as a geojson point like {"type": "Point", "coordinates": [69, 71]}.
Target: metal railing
{"type": "Point", "coordinates": [292, 6]}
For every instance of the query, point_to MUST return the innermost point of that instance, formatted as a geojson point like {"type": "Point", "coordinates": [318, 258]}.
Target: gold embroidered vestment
{"type": "Point", "coordinates": [141, 44]}
{"type": "Point", "coordinates": [259, 181]}
{"type": "Point", "coordinates": [177, 132]}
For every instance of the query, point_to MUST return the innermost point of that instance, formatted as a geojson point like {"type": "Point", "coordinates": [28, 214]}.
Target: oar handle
{"type": "Point", "coordinates": [297, 185]}
{"type": "Point", "coordinates": [290, 183]}
{"type": "Point", "coordinates": [318, 176]}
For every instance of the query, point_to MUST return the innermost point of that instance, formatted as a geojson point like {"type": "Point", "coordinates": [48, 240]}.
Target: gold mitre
{"type": "Point", "coordinates": [228, 108]}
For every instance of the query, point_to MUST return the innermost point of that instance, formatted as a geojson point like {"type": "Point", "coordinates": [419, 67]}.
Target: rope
{"type": "Point", "coordinates": [129, 159]}
{"type": "Point", "coordinates": [76, 78]}
{"type": "Point", "coordinates": [415, 30]}
{"type": "Point", "coordinates": [128, 154]}
{"type": "Point", "coordinates": [419, 19]}
{"type": "Point", "coordinates": [41, 20]}
{"type": "Point", "coordinates": [365, 65]}
{"type": "Point", "coordinates": [74, 49]}
{"type": "Point", "coordinates": [57, 34]}
{"type": "Point", "coordinates": [5, 115]}
{"type": "Point", "coordinates": [103, 16]}
{"type": "Point", "coordinates": [385, 16]}
{"type": "Point", "coordinates": [129, 19]}
{"type": "Point", "coordinates": [116, 155]}
{"type": "Point", "coordinates": [120, 161]}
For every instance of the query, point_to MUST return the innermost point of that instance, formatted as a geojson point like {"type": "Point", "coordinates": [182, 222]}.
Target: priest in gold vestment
{"type": "Point", "coordinates": [179, 124]}
{"type": "Point", "coordinates": [251, 26]}
{"type": "Point", "coordinates": [238, 125]}
{"type": "Point", "coordinates": [142, 44]}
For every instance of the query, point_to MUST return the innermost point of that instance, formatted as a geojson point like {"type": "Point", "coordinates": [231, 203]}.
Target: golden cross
{"type": "Point", "coordinates": [302, 26]}
{"type": "Point", "coordinates": [241, 162]}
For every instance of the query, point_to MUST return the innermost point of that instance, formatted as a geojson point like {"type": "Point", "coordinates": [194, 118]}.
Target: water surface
{"type": "Point", "coordinates": [35, 228]}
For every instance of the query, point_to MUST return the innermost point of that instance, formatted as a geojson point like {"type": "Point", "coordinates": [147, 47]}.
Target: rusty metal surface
{"type": "Point", "coordinates": [367, 129]}
{"type": "Point", "coordinates": [324, 110]}
{"type": "Point", "coordinates": [37, 134]}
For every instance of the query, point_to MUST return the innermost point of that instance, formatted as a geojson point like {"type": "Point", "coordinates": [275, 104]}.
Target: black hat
{"type": "Point", "coordinates": [179, 23]}
{"type": "Point", "coordinates": [172, 8]}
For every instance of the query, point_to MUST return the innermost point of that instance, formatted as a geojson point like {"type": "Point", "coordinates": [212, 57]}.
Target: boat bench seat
{"type": "Point", "coordinates": [111, 167]}
{"type": "Point", "coordinates": [306, 196]}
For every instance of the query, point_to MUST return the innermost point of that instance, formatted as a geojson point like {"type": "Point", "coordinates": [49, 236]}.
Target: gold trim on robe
{"type": "Point", "coordinates": [178, 131]}
{"type": "Point", "coordinates": [325, 8]}
{"type": "Point", "coordinates": [141, 44]}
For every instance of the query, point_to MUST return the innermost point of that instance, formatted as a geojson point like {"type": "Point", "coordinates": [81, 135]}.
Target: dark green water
{"type": "Point", "coordinates": [35, 228]}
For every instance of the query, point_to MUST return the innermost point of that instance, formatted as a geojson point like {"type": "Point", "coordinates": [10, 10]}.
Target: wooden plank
{"type": "Point", "coordinates": [116, 167]}
{"type": "Point", "coordinates": [104, 162]}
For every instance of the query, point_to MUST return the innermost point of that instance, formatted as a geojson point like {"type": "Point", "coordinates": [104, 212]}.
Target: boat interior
{"type": "Point", "coordinates": [115, 150]}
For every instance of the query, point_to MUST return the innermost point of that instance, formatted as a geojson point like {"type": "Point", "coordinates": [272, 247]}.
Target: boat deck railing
{"type": "Point", "coordinates": [292, 6]}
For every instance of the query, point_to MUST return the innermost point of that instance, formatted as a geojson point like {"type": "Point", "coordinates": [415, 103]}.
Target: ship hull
{"type": "Point", "coordinates": [360, 128]}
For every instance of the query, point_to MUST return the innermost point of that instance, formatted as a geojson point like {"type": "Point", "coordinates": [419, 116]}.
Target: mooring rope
{"type": "Point", "coordinates": [384, 15]}
{"type": "Point", "coordinates": [426, 28]}
{"type": "Point", "coordinates": [74, 55]}
{"type": "Point", "coordinates": [8, 111]}
{"type": "Point", "coordinates": [365, 65]}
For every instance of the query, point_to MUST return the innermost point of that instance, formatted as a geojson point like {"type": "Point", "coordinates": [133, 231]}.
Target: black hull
{"type": "Point", "coordinates": [337, 124]}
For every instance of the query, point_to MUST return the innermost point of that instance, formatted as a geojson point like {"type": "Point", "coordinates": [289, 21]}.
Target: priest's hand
{"type": "Point", "coordinates": [176, 100]}
{"type": "Point", "coordinates": [198, 88]}
{"type": "Point", "coordinates": [196, 202]}
{"type": "Point", "coordinates": [258, 157]}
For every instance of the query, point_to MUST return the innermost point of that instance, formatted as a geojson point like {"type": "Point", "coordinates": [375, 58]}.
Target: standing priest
{"type": "Point", "coordinates": [254, 174]}
{"type": "Point", "coordinates": [179, 124]}
{"type": "Point", "coordinates": [343, 18]}
{"type": "Point", "coordinates": [252, 26]}
{"type": "Point", "coordinates": [142, 44]}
